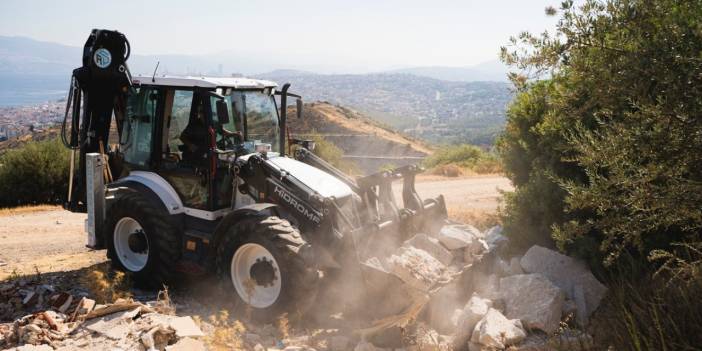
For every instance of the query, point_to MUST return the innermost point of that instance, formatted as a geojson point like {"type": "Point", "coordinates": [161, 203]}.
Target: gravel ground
{"type": "Point", "coordinates": [54, 240]}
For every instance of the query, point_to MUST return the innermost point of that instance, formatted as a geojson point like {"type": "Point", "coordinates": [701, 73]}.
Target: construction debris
{"type": "Point", "coordinates": [59, 320]}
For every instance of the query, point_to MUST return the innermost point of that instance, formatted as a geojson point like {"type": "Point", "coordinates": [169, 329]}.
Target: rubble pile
{"type": "Point", "coordinates": [455, 289]}
{"type": "Point", "coordinates": [63, 321]}
{"type": "Point", "coordinates": [478, 298]}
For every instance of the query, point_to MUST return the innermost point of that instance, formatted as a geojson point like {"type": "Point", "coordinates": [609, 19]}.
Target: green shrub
{"type": "Point", "coordinates": [614, 132]}
{"type": "Point", "coordinates": [36, 173]}
{"type": "Point", "coordinates": [606, 157]}
{"type": "Point", "coordinates": [463, 155]}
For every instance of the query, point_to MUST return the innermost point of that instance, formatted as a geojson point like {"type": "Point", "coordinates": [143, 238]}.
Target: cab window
{"type": "Point", "coordinates": [137, 132]}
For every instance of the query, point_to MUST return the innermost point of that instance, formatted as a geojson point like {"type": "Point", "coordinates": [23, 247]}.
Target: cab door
{"type": "Point", "coordinates": [185, 147]}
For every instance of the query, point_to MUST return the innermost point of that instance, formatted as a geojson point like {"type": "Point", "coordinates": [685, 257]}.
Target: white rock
{"type": "Point", "coordinates": [458, 236]}
{"type": "Point", "coordinates": [567, 273]}
{"type": "Point", "coordinates": [416, 268]}
{"type": "Point", "coordinates": [495, 330]}
{"type": "Point", "coordinates": [472, 313]}
{"type": "Point", "coordinates": [432, 246]}
{"type": "Point", "coordinates": [534, 300]}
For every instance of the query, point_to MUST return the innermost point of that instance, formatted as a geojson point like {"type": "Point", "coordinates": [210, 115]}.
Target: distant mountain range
{"type": "Point", "coordinates": [440, 104]}
{"type": "Point", "coordinates": [20, 55]}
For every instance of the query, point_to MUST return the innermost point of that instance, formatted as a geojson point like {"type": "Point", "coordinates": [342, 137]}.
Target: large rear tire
{"type": "Point", "coordinates": [259, 263]}
{"type": "Point", "coordinates": [141, 240]}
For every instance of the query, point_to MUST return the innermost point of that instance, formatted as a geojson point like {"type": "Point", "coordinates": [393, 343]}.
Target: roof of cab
{"type": "Point", "coordinates": [204, 82]}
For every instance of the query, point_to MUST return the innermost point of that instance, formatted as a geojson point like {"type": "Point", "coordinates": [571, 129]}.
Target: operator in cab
{"type": "Point", "coordinates": [195, 138]}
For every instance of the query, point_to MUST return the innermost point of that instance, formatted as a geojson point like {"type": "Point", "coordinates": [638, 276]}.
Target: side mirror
{"type": "Point", "coordinates": [299, 108]}
{"type": "Point", "coordinates": [222, 112]}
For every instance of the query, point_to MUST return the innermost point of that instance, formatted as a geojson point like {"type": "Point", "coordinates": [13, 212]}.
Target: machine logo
{"type": "Point", "coordinates": [285, 196]}
{"type": "Point", "coordinates": [102, 58]}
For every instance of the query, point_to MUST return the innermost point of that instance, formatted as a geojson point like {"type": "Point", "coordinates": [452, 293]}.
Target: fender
{"type": "Point", "coordinates": [160, 187]}
{"type": "Point", "coordinates": [236, 215]}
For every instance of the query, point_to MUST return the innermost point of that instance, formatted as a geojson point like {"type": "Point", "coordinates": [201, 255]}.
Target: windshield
{"type": "Point", "coordinates": [252, 113]}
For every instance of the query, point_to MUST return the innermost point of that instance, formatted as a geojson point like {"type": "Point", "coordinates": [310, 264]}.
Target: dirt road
{"type": "Point", "coordinates": [54, 240]}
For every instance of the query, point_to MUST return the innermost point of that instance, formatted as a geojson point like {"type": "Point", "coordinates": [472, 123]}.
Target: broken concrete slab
{"type": "Point", "coordinates": [534, 300]}
{"type": "Point", "coordinates": [432, 246]}
{"type": "Point", "coordinates": [416, 268]}
{"type": "Point", "coordinates": [114, 326]}
{"type": "Point", "coordinates": [185, 327]}
{"type": "Point", "coordinates": [458, 236]}
{"type": "Point", "coordinates": [567, 273]}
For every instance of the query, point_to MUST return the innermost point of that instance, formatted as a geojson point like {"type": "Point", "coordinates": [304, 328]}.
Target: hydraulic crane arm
{"type": "Point", "coordinates": [98, 88]}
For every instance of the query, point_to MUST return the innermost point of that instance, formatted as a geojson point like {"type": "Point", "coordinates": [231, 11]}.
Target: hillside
{"type": "Point", "coordinates": [363, 141]}
{"type": "Point", "coordinates": [39, 135]}
{"type": "Point", "coordinates": [431, 109]}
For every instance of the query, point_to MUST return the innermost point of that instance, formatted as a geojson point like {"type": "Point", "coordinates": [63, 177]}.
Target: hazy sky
{"type": "Point", "coordinates": [339, 34]}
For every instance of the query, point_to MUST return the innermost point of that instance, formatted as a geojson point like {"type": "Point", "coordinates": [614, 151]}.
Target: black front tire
{"type": "Point", "coordinates": [299, 279]}
{"type": "Point", "coordinates": [164, 243]}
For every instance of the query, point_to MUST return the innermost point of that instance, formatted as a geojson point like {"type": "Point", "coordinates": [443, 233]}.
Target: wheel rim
{"type": "Point", "coordinates": [256, 275]}
{"type": "Point", "coordinates": [131, 244]}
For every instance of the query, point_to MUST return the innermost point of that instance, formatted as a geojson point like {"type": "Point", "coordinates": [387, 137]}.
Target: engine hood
{"type": "Point", "coordinates": [322, 182]}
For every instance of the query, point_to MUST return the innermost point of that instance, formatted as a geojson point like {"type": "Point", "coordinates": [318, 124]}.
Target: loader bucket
{"type": "Point", "coordinates": [381, 229]}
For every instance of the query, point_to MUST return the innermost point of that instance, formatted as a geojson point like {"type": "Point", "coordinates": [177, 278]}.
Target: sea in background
{"type": "Point", "coordinates": [21, 89]}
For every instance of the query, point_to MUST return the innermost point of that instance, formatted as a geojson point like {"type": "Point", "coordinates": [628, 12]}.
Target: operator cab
{"type": "Point", "coordinates": [178, 127]}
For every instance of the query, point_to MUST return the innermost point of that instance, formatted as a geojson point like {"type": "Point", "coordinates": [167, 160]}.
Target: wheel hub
{"type": "Point", "coordinates": [137, 242]}
{"type": "Point", "coordinates": [263, 272]}
{"type": "Point", "coordinates": [256, 275]}
{"type": "Point", "coordinates": [131, 244]}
